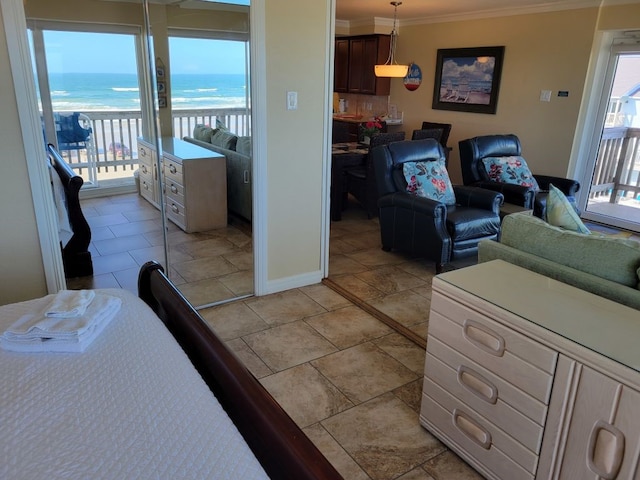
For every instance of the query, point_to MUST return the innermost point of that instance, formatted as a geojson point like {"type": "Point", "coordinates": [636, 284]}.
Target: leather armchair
{"type": "Point", "coordinates": [425, 227]}
{"type": "Point", "coordinates": [474, 150]}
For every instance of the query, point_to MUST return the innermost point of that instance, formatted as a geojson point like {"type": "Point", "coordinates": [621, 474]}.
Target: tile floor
{"type": "Point", "coordinates": [352, 383]}
{"type": "Point", "coordinates": [126, 232]}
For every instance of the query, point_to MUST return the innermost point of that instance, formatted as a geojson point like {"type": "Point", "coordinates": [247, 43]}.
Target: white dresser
{"type": "Point", "coordinates": [527, 377]}
{"type": "Point", "coordinates": [195, 183]}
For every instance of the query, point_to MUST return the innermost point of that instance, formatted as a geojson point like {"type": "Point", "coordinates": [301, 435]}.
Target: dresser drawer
{"type": "Point", "coordinates": [146, 170]}
{"type": "Point", "coordinates": [482, 393]}
{"type": "Point", "coordinates": [176, 212]}
{"type": "Point", "coordinates": [146, 155]}
{"type": "Point", "coordinates": [480, 385]}
{"type": "Point", "coordinates": [174, 191]}
{"type": "Point", "coordinates": [514, 357]}
{"type": "Point", "coordinates": [469, 433]}
{"type": "Point", "coordinates": [146, 186]}
{"type": "Point", "coordinates": [173, 171]}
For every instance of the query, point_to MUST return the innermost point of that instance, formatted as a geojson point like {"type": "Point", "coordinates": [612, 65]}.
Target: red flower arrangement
{"type": "Point", "coordinates": [370, 128]}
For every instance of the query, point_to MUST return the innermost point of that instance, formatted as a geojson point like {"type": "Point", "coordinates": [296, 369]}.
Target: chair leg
{"type": "Point", "coordinates": [440, 268]}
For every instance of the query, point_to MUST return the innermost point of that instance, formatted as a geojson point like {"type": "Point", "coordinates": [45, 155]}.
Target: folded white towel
{"type": "Point", "coordinates": [70, 303]}
{"type": "Point", "coordinates": [38, 333]}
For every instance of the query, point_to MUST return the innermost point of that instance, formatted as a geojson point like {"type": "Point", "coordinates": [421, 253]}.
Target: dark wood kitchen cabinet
{"type": "Point", "coordinates": [341, 66]}
{"type": "Point", "coordinates": [355, 58]}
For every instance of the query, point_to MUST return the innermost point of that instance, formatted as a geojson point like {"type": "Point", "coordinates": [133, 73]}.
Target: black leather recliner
{"type": "Point", "coordinates": [474, 150]}
{"type": "Point", "coordinates": [425, 227]}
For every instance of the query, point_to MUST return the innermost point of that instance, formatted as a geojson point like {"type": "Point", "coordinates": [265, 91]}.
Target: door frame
{"type": "Point", "coordinates": [592, 117]}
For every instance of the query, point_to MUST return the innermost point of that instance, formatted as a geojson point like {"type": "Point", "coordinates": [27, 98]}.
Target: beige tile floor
{"type": "Point", "coordinates": [352, 383]}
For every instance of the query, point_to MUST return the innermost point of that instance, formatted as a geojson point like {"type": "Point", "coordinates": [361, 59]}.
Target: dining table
{"type": "Point", "coordinates": [343, 155]}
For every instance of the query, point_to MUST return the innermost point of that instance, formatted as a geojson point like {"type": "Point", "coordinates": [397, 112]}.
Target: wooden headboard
{"type": "Point", "coordinates": [75, 254]}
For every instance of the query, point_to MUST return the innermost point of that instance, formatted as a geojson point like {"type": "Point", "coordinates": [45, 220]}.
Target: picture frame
{"type": "Point", "coordinates": [161, 88]}
{"type": "Point", "coordinates": [162, 102]}
{"type": "Point", "coordinates": [468, 79]}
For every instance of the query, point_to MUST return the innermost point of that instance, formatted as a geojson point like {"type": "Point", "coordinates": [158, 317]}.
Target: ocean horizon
{"type": "Point", "coordinates": [119, 92]}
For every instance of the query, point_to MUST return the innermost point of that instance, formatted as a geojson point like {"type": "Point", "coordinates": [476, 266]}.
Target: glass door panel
{"type": "Point", "coordinates": [614, 190]}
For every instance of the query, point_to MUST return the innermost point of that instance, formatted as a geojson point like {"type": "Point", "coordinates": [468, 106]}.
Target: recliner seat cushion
{"type": "Point", "coordinates": [469, 223]}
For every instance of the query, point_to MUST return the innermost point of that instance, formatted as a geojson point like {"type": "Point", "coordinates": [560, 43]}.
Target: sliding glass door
{"type": "Point", "coordinates": [613, 174]}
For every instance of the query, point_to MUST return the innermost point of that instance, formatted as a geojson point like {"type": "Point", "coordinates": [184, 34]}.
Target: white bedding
{"type": "Point", "coordinates": [130, 406]}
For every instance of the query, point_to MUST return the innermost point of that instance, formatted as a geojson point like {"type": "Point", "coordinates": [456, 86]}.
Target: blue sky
{"type": "Point", "coordinates": [79, 52]}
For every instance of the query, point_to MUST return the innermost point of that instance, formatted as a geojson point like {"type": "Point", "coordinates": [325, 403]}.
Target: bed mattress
{"type": "Point", "coordinates": [130, 406]}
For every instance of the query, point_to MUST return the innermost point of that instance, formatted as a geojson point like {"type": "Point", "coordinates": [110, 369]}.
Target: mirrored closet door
{"type": "Point", "coordinates": [150, 104]}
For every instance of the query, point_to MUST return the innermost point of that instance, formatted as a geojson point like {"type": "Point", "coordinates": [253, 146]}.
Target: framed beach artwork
{"type": "Point", "coordinates": [468, 79]}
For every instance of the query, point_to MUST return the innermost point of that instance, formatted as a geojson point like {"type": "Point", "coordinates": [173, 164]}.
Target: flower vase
{"type": "Point", "coordinates": [366, 140]}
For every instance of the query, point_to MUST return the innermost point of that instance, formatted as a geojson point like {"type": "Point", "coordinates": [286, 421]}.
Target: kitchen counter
{"type": "Point", "coordinates": [353, 118]}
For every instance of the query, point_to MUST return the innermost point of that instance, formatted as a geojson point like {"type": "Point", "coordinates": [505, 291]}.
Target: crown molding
{"type": "Point", "coordinates": [549, 6]}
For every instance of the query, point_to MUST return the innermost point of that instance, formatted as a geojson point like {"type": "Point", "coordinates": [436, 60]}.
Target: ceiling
{"type": "Point", "coordinates": [441, 10]}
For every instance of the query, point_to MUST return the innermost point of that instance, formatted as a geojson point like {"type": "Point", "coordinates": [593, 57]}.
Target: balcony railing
{"type": "Point", "coordinates": [112, 149]}
{"type": "Point", "coordinates": [617, 172]}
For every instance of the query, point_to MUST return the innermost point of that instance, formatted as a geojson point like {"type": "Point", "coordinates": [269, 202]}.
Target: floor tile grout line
{"type": "Point", "coordinates": [383, 317]}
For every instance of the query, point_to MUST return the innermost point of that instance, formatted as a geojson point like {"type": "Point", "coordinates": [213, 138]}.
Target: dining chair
{"type": "Point", "coordinates": [361, 182]}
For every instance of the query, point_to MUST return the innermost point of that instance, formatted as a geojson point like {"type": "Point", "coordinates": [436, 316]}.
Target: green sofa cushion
{"type": "Point", "coordinates": [224, 139]}
{"type": "Point", "coordinates": [614, 259]}
{"type": "Point", "coordinates": [203, 132]}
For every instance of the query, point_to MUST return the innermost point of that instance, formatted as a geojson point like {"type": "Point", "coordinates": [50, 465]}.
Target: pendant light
{"type": "Point", "coordinates": [390, 67]}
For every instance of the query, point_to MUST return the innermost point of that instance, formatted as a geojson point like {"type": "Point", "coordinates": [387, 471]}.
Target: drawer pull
{"type": "Point", "coordinates": [145, 185]}
{"type": "Point", "coordinates": [471, 429]}
{"type": "Point", "coordinates": [143, 152]}
{"type": "Point", "coordinates": [144, 169]}
{"type": "Point", "coordinates": [477, 384]}
{"type": "Point", "coordinates": [173, 169]}
{"type": "Point", "coordinates": [174, 189]}
{"type": "Point", "coordinates": [483, 337]}
{"type": "Point", "coordinates": [174, 208]}
{"type": "Point", "coordinates": [606, 450]}
{"type": "Point", "coordinates": [245, 176]}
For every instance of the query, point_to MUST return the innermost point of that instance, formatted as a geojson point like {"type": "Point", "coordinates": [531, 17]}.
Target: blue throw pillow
{"type": "Point", "coordinates": [560, 212]}
{"type": "Point", "coordinates": [510, 170]}
{"type": "Point", "coordinates": [429, 180]}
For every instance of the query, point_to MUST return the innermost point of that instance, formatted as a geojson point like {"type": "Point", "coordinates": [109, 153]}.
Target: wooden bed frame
{"type": "Point", "coordinates": [76, 257]}
{"type": "Point", "coordinates": [284, 451]}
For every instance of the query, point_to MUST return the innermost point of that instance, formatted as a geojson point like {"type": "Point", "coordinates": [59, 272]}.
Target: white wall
{"type": "Point", "coordinates": [21, 269]}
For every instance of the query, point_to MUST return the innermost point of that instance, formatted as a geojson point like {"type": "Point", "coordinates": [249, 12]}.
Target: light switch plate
{"type": "Point", "coordinates": [545, 95]}
{"type": "Point", "coordinates": [292, 100]}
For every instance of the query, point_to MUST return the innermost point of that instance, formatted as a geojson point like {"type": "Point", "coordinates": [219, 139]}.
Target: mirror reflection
{"type": "Point", "coordinates": [150, 105]}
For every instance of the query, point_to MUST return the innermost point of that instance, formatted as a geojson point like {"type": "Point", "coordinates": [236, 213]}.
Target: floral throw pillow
{"type": "Point", "coordinates": [510, 170]}
{"type": "Point", "coordinates": [429, 180]}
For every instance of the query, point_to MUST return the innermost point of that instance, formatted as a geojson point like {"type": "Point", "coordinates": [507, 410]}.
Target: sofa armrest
{"type": "Point", "coordinates": [567, 186]}
{"type": "Point", "coordinates": [479, 198]}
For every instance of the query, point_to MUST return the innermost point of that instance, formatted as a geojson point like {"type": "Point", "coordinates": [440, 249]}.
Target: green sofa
{"type": "Point", "coordinates": [600, 264]}
{"type": "Point", "coordinates": [237, 151]}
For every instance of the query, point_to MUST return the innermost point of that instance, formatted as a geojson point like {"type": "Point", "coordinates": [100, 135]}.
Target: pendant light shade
{"type": "Point", "coordinates": [390, 68]}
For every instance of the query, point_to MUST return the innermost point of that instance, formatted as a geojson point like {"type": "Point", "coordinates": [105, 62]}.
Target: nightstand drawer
{"type": "Point", "coordinates": [482, 393]}
{"type": "Point", "coordinates": [461, 427]}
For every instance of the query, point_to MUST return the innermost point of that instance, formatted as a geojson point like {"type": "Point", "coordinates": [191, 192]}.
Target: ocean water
{"type": "Point", "coordinates": [109, 91]}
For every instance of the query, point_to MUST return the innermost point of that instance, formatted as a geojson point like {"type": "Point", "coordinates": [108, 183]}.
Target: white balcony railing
{"type": "Point", "coordinates": [112, 149]}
